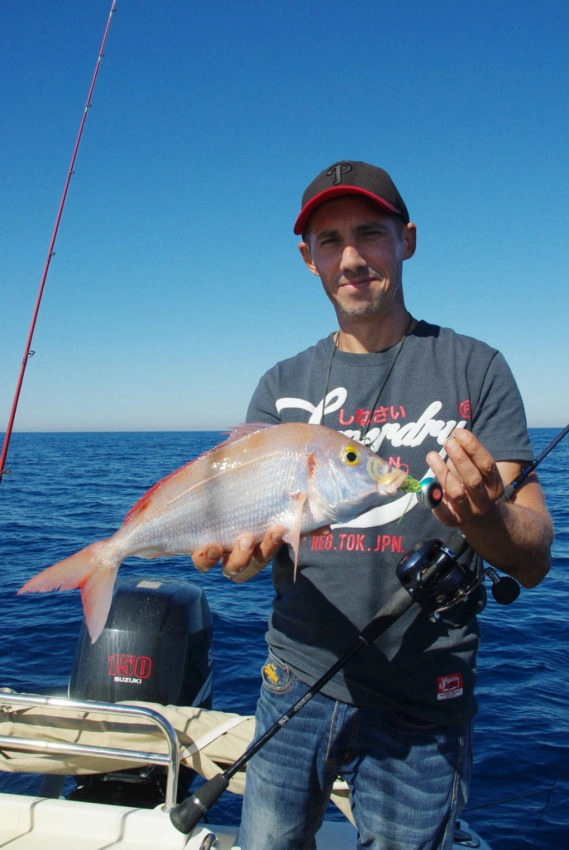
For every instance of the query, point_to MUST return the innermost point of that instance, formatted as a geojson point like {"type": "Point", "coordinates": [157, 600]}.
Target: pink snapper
{"type": "Point", "coordinates": [302, 477]}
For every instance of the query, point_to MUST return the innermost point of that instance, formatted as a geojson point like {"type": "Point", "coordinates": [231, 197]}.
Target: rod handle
{"type": "Point", "coordinates": [187, 813]}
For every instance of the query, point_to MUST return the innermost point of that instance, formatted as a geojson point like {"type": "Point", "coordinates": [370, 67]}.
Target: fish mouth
{"type": "Point", "coordinates": [387, 477]}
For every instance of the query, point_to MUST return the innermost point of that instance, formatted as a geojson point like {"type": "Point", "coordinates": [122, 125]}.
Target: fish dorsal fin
{"type": "Point", "coordinates": [243, 430]}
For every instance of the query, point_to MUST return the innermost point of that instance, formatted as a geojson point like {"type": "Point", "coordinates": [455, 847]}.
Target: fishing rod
{"type": "Point", "coordinates": [51, 252]}
{"type": "Point", "coordinates": [187, 813]}
{"type": "Point", "coordinates": [513, 485]}
{"type": "Point", "coordinates": [431, 576]}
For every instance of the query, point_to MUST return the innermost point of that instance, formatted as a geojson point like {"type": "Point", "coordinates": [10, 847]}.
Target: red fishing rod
{"type": "Point", "coordinates": [27, 351]}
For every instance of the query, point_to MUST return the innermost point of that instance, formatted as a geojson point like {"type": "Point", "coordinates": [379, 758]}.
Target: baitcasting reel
{"type": "Point", "coordinates": [437, 581]}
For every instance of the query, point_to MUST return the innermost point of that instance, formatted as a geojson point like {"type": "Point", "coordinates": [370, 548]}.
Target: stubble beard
{"type": "Point", "coordinates": [379, 307]}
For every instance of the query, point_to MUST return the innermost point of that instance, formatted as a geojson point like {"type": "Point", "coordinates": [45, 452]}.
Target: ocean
{"type": "Point", "coordinates": [70, 489]}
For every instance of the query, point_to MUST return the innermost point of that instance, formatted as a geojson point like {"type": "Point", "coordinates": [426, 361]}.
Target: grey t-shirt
{"type": "Point", "coordinates": [441, 380]}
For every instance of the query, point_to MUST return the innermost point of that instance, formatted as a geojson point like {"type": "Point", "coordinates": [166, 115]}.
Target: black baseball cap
{"type": "Point", "coordinates": [351, 178]}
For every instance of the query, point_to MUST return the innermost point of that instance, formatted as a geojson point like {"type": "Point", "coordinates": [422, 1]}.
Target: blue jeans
{"type": "Point", "coordinates": [408, 782]}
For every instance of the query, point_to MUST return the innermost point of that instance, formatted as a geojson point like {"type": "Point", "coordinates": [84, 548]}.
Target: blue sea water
{"type": "Point", "coordinates": [67, 490]}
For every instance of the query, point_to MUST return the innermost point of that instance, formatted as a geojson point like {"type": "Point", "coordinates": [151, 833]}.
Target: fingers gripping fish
{"type": "Point", "coordinates": [300, 476]}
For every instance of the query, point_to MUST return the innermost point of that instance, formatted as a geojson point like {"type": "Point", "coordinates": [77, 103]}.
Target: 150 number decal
{"type": "Point", "coordinates": [130, 666]}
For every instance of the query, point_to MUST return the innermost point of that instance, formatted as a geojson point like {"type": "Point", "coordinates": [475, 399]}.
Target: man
{"type": "Point", "coordinates": [395, 722]}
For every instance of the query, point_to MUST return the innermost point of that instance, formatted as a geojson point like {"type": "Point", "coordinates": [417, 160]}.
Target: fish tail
{"type": "Point", "coordinates": [93, 572]}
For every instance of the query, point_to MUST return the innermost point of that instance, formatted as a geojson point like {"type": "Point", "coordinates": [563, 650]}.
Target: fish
{"type": "Point", "coordinates": [301, 476]}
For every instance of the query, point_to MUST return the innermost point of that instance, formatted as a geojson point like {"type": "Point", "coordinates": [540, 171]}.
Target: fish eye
{"type": "Point", "coordinates": [350, 455]}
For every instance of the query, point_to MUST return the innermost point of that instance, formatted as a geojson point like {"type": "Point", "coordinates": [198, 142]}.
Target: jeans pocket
{"type": "Point", "coordinates": [276, 676]}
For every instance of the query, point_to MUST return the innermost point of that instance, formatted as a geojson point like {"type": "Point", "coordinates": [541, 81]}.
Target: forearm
{"type": "Point", "coordinates": [514, 538]}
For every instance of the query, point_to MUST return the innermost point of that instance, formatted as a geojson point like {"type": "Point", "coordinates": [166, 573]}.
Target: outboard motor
{"type": "Point", "coordinates": [156, 647]}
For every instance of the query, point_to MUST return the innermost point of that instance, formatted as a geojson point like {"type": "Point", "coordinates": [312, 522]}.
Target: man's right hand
{"type": "Point", "coordinates": [245, 559]}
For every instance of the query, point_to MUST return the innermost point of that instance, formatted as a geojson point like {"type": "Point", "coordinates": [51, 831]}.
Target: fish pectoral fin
{"type": "Point", "coordinates": [292, 536]}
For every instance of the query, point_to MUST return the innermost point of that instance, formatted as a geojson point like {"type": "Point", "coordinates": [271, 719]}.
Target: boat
{"type": "Point", "coordinates": [134, 762]}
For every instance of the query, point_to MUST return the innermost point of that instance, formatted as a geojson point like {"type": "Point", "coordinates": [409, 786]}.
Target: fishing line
{"type": "Point", "coordinates": [51, 252]}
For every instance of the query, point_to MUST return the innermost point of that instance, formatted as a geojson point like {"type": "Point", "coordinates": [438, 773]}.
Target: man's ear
{"type": "Point", "coordinates": [410, 239]}
{"type": "Point", "coordinates": [307, 257]}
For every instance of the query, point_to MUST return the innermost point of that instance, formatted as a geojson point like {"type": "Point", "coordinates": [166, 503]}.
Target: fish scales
{"type": "Point", "coordinates": [217, 497]}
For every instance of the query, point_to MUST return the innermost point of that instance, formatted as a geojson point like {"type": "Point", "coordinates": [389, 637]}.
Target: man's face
{"type": "Point", "coordinates": [357, 250]}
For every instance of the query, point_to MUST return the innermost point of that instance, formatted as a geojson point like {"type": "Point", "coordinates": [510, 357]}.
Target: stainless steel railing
{"type": "Point", "coordinates": [171, 759]}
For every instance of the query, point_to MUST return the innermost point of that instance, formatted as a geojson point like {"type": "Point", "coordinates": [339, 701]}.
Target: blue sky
{"type": "Point", "coordinates": [177, 281]}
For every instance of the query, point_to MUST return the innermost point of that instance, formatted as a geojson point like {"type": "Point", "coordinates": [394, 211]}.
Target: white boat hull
{"type": "Point", "coordinates": [39, 823]}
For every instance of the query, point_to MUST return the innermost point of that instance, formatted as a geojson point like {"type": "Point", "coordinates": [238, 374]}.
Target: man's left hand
{"type": "Point", "coordinates": [470, 479]}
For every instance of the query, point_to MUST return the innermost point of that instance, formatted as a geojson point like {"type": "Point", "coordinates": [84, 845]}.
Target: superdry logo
{"type": "Point", "coordinates": [450, 686]}
{"type": "Point", "coordinates": [394, 428]}
{"type": "Point", "coordinates": [337, 170]}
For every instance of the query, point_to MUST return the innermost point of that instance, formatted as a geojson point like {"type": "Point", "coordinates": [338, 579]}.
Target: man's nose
{"type": "Point", "coordinates": [352, 259]}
